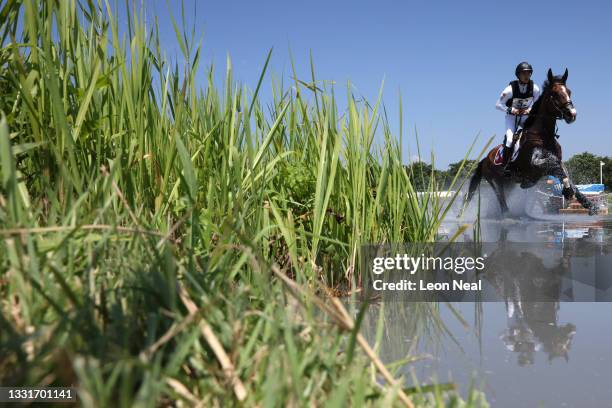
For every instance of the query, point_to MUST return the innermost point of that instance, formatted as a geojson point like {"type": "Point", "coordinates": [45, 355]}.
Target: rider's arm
{"type": "Point", "coordinates": [503, 98]}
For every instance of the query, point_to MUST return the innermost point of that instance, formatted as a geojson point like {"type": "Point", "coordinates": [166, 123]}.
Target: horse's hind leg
{"type": "Point", "coordinates": [498, 189]}
{"type": "Point", "coordinates": [475, 181]}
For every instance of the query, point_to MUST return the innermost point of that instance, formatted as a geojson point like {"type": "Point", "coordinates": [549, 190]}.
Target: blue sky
{"type": "Point", "coordinates": [450, 59]}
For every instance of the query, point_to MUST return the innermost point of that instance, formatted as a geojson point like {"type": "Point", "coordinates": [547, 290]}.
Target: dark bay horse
{"type": "Point", "coordinates": [540, 153]}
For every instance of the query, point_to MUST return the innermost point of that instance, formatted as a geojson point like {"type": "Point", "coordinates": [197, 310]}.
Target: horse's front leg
{"type": "Point", "coordinates": [550, 165]}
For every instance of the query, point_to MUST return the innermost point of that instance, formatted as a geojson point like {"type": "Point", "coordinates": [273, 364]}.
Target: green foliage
{"type": "Point", "coordinates": [584, 169]}
{"type": "Point", "coordinates": [421, 174]}
{"type": "Point", "coordinates": [299, 182]}
{"type": "Point", "coordinates": [461, 169]}
{"type": "Point", "coordinates": [125, 189]}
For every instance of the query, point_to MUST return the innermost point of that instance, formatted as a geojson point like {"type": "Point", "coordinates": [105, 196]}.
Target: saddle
{"type": "Point", "coordinates": [516, 145]}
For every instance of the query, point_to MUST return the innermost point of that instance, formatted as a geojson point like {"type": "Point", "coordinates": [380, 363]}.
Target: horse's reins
{"type": "Point", "coordinates": [559, 110]}
{"type": "Point", "coordinates": [559, 115]}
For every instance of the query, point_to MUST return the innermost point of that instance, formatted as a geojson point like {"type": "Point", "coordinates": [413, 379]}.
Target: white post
{"type": "Point", "coordinates": [601, 164]}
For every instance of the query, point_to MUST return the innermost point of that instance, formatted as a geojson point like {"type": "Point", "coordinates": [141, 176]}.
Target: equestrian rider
{"type": "Point", "coordinates": [516, 101]}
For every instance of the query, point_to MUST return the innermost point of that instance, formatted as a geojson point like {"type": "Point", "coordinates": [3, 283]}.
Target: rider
{"type": "Point", "coordinates": [516, 101]}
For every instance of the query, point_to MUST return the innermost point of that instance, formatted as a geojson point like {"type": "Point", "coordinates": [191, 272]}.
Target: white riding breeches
{"type": "Point", "coordinates": [511, 126]}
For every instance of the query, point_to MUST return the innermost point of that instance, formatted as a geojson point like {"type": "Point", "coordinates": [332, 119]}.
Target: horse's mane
{"type": "Point", "coordinates": [546, 86]}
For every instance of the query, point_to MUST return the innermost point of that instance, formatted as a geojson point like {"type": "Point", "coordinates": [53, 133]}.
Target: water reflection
{"type": "Point", "coordinates": [537, 273]}
{"type": "Point", "coordinates": [532, 326]}
{"type": "Point", "coordinates": [516, 341]}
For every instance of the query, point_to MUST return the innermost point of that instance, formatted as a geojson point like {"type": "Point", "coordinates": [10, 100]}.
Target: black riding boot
{"type": "Point", "coordinates": [507, 155]}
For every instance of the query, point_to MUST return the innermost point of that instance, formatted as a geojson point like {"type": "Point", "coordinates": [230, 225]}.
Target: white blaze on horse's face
{"type": "Point", "coordinates": [572, 109]}
{"type": "Point", "coordinates": [565, 102]}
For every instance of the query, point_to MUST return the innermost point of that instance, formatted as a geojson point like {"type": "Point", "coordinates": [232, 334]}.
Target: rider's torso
{"type": "Point", "coordinates": [522, 95]}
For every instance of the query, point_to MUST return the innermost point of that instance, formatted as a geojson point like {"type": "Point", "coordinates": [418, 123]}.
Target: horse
{"type": "Point", "coordinates": [539, 153]}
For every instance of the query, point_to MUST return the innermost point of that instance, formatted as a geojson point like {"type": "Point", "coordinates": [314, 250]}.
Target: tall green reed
{"type": "Point", "coordinates": [123, 181]}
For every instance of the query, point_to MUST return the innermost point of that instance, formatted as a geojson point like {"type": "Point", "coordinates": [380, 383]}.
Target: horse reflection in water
{"type": "Point", "coordinates": [532, 326]}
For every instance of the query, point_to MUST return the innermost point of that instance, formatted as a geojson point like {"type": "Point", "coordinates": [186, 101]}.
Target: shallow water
{"type": "Point", "coordinates": [521, 354]}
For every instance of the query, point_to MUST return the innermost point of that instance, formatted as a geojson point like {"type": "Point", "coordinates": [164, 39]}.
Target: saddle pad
{"type": "Point", "coordinates": [499, 154]}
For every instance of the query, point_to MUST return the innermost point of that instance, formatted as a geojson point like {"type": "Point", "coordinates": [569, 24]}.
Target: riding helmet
{"type": "Point", "coordinates": [523, 66]}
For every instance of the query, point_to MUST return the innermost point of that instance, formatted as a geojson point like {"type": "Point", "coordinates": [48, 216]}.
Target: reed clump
{"type": "Point", "coordinates": [144, 221]}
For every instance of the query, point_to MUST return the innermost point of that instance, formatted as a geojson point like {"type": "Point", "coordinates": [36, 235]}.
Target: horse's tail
{"type": "Point", "coordinates": [475, 181]}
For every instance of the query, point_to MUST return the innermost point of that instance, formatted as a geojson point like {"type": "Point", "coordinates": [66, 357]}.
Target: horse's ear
{"type": "Point", "coordinates": [565, 75]}
{"type": "Point", "coordinates": [550, 75]}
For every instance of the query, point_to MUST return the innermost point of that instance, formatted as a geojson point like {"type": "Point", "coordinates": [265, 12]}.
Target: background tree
{"type": "Point", "coordinates": [584, 169]}
{"type": "Point", "coordinates": [453, 169]}
{"type": "Point", "coordinates": [420, 174]}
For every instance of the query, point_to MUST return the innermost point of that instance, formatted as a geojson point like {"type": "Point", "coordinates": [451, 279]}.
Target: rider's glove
{"type": "Point", "coordinates": [509, 110]}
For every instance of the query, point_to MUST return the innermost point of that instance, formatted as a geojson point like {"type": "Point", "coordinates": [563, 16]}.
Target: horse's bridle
{"type": "Point", "coordinates": [560, 109]}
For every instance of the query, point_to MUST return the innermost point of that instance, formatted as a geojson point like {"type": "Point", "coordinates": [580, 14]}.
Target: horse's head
{"type": "Point", "coordinates": [560, 96]}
